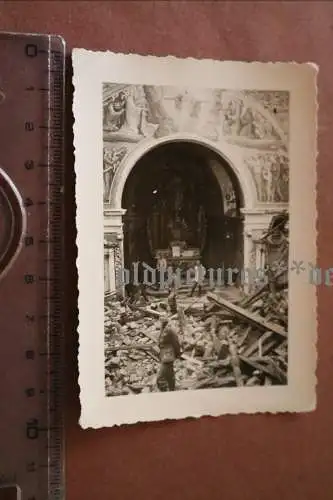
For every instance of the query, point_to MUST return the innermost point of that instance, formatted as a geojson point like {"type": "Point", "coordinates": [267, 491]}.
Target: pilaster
{"type": "Point", "coordinates": [113, 247]}
{"type": "Point", "coordinates": [256, 223]}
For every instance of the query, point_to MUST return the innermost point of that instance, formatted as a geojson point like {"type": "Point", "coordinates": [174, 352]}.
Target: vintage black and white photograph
{"type": "Point", "coordinates": [197, 202]}
{"type": "Point", "coordinates": [196, 276]}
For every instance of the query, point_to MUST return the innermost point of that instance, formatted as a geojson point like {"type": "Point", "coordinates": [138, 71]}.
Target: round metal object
{"type": "Point", "coordinates": [12, 222]}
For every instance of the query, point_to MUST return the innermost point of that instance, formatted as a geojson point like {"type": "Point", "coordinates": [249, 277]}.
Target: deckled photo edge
{"type": "Point", "coordinates": [78, 211]}
{"type": "Point", "coordinates": [89, 417]}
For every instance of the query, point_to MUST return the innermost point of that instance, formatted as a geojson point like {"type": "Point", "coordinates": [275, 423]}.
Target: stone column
{"type": "Point", "coordinates": [110, 252]}
{"type": "Point", "coordinates": [107, 287]}
{"type": "Point", "coordinates": [249, 258]}
{"type": "Point", "coordinates": [113, 220]}
{"type": "Point", "coordinates": [256, 223]}
{"type": "Point", "coordinates": [113, 234]}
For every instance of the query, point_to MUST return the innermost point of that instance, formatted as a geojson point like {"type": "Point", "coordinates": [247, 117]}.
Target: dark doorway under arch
{"type": "Point", "coordinates": [173, 193]}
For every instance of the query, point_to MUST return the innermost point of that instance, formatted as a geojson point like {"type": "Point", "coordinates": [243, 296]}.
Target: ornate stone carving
{"type": "Point", "coordinates": [256, 261]}
{"type": "Point", "coordinates": [270, 172]}
{"type": "Point", "coordinates": [118, 268]}
{"type": "Point", "coordinates": [113, 242]}
{"type": "Point", "coordinates": [111, 161]}
{"type": "Point", "coordinates": [252, 255]}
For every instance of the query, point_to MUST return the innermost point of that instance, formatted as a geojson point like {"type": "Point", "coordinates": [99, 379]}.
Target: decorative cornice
{"type": "Point", "coordinates": [113, 212]}
{"type": "Point", "coordinates": [265, 209]}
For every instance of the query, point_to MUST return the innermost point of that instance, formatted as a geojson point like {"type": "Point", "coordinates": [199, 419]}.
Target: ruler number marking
{"type": "Point", "coordinates": [29, 164]}
{"type": "Point", "coordinates": [32, 429]}
{"type": "Point", "coordinates": [29, 126]}
{"type": "Point", "coordinates": [30, 392]}
{"type": "Point", "coordinates": [31, 50]}
{"type": "Point", "coordinates": [29, 279]}
{"type": "Point", "coordinates": [29, 241]}
{"type": "Point", "coordinates": [28, 202]}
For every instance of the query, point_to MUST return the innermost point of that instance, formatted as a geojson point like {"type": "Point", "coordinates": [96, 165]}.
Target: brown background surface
{"type": "Point", "coordinates": [255, 457]}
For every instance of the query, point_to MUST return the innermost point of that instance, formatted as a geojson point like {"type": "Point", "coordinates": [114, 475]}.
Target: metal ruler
{"type": "Point", "coordinates": [31, 263]}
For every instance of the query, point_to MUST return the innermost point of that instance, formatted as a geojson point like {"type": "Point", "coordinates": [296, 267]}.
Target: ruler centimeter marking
{"type": "Point", "coordinates": [35, 460]}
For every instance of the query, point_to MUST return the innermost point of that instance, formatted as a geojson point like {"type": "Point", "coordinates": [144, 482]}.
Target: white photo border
{"type": "Point", "coordinates": [91, 70]}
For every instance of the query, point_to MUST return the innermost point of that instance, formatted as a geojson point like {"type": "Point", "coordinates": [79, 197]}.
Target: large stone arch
{"type": "Point", "coordinates": [230, 154]}
{"type": "Point", "coordinates": [256, 216]}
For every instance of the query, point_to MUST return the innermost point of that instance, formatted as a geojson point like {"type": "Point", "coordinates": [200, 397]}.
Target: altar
{"type": "Point", "coordinates": [179, 255]}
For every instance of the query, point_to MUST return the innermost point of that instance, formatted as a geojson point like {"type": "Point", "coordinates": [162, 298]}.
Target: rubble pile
{"type": "Point", "coordinates": [224, 342]}
{"type": "Point", "coordinates": [131, 356]}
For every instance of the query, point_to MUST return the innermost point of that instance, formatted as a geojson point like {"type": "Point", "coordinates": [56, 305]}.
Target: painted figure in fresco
{"type": "Point", "coordinates": [184, 111]}
{"type": "Point", "coordinates": [107, 176]}
{"type": "Point", "coordinates": [282, 181]}
{"type": "Point", "coordinates": [247, 124]}
{"type": "Point", "coordinates": [276, 175]}
{"type": "Point", "coordinates": [127, 112]}
{"type": "Point", "coordinates": [243, 120]}
{"type": "Point", "coordinates": [111, 160]}
{"type": "Point", "coordinates": [267, 182]}
{"type": "Point", "coordinates": [229, 118]}
{"type": "Point", "coordinates": [239, 120]}
{"type": "Point", "coordinates": [182, 101]}
{"type": "Point", "coordinates": [134, 115]}
{"type": "Point", "coordinates": [263, 128]}
{"type": "Point", "coordinates": [116, 112]}
{"type": "Point", "coordinates": [274, 178]}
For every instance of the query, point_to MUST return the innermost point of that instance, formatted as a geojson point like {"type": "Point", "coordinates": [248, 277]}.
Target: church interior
{"type": "Point", "coordinates": [180, 208]}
